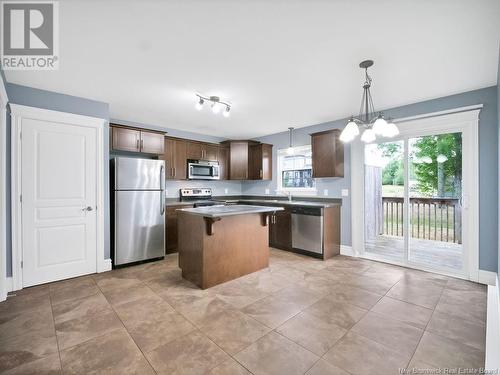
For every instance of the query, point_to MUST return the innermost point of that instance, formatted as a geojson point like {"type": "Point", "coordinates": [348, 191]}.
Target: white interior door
{"type": "Point", "coordinates": [58, 185]}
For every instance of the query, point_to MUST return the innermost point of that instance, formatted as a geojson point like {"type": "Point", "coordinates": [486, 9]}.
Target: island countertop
{"type": "Point", "coordinates": [231, 210]}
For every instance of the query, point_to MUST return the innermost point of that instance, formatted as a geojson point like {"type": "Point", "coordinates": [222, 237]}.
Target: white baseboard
{"type": "Point", "coordinates": [493, 329]}
{"type": "Point", "coordinates": [104, 266]}
{"type": "Point", "coordinates": [487, 277]}
{"type": "Point", "coordinates": [9, 287]}
{"type": "Point", "coordinates": [346, 250]}
{"type": "Point", "coordinates": [9, 284]}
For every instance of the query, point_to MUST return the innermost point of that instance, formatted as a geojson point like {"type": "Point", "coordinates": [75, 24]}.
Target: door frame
{"type": "Point", "coordinates": [4, 100]}
{"type": "Point", "coordinates": [18, 114]}
{"type": "Point", "coordinates": [466, 120]}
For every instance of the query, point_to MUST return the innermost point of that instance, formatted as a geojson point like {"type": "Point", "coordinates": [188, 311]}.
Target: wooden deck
{"type": "Point", "coordinates": [430, 253]}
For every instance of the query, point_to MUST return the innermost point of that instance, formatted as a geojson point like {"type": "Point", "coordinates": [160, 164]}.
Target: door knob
{"type": "Point", "coordinates": [88, 208]}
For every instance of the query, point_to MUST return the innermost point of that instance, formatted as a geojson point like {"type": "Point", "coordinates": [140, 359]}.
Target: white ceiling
{"type": "Point", "coordinates": [281, 63]}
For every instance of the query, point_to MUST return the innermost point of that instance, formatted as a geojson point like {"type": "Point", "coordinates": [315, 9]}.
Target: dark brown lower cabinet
{"type": "Point", "coordinates": [171, 228]}
{"type": "Point", "coordinates": [280, 230]}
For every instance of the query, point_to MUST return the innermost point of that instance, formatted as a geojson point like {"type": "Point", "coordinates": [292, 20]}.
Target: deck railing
{"type": "Point", "coordinates": [430, 218]}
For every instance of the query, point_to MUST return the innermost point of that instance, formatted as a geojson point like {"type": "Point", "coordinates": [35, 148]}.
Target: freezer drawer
{"type": "Point", "coordinates": [139, 226]}
{"type": "Point", "coordinates": [139, 174]}
{"type": "Point", "coordinates": [307, 232]}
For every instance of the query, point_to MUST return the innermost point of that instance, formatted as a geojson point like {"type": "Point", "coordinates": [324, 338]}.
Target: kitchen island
{"type": "Point", "coordinates": [222, 243]}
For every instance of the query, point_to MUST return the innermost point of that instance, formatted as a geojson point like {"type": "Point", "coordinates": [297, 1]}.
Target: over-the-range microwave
{"type": "Point", "coordinates": [203, 170]}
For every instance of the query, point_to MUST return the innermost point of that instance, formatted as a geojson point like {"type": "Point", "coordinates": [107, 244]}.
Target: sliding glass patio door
{"type": "Point", "coordinates": [412, 201]}
{"type": "Point", "coordinates": [435, 204]}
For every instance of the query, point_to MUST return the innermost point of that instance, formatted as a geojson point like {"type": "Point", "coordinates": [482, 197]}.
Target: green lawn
{"type": "Point", "coordinates": [393, 191]}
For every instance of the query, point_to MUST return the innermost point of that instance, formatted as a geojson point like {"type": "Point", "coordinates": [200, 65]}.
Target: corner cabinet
{"type": "Point", "coordinates": [261, 162]}
{"type": "Point", "coordinates": [249, 160]}
{"type": "Point", "coordinates": [327, 154]}
{"type": "Point", "coordinates": [136, 140]}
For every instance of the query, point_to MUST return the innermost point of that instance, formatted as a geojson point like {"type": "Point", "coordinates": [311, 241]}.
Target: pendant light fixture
{"type": "Point", "coordinates": [290, 150]}
{"type": "Point", "coordinates": [373, 124]}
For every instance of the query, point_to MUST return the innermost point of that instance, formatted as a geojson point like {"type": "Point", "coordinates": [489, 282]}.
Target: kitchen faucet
{"type": "Point", "coordinates": [287, 193]}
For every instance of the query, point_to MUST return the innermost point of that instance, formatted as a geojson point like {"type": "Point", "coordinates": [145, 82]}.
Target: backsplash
{"type": "Point", "coordinates": [218, 187]}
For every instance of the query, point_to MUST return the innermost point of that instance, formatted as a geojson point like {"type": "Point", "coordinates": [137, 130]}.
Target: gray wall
{"type": "Point", "coordinates": [488, 164]}
{"type": "Point", "coordinates": [59, 102]}
{"type": "Point", "coordinates": [488, 170]}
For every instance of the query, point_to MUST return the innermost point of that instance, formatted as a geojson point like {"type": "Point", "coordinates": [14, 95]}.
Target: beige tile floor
{"type": "Point", "coordinates": [300, 316]}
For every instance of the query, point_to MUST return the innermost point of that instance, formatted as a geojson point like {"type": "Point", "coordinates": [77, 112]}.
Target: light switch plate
{"type": "Point", "coordinates": [166, 193]}
{"type": "Point", "coordinates": [226, 191]}
{"type": "Point", "coordinates": [325, 192]}
{"type": "Point", "coordinates": [345, 192]}
{"type": "Point", "coordinates": [268, 191]}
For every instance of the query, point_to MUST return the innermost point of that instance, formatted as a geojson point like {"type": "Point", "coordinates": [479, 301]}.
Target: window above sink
{"type": "Point", "coordinates": [295, 171]}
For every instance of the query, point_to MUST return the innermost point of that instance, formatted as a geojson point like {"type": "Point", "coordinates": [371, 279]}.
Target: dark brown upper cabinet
{"type": "Point", "coordinates": [261, 162]}
{"type": "Point", "coordinates": [175, 157]}
{"type": "Point", "coordinates": [152, 143]}
{"type": "Point", "coordinates": [202, 151]}
{"type": "Point", "coordinates": [123, 139]}
{"type": "Point", "coordinates": [238, 159]}
{"type": "Point", "coordinates": [223, 158]}
{"type": "Point", "coordinates": [136, 140]}
{"type": "Point", "coordinates": [249, 160]}
{"type": "Point", "coordinates": [327, 154]}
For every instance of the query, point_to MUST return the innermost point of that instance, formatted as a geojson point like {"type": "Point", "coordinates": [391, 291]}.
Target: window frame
{"type": "Point", "coordinates": [293, 190]}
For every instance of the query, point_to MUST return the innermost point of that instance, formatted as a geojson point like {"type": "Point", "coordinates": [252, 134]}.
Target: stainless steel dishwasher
{"type": "Point", "coordinates": [307, 229]}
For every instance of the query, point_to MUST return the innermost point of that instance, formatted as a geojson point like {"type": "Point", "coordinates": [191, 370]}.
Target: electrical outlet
{"type": "Point", "coordinates": [166, 193]}
{"type": "Point", "coordinates": [226, 191]}
{"type": "Point", "coordinates": [345, 192]}
{"type": "Point", "coordinates": [325, 192]}
{"type": "Point", "coordinates": [268, 191]}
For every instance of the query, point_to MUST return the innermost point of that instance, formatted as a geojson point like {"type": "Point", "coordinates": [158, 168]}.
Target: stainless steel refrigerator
{"type": "Point", "coordinates": [138, 212]}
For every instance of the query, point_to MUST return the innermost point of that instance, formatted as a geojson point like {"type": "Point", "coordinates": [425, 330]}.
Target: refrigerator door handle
{"type": "Point", "coordinates": [162, 202]}
{"type": "Point", "coordinates": [162, 177]}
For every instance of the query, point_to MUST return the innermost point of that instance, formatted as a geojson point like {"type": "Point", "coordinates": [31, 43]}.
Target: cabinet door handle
{"type": "Point", "coordinates": [173, 172]}
{"type": "Point", "coordinates": [137, 146]}
{"type": "Point", "coordinates": [142, 144]}
{"type": "Point", "coordinates": [260, 173]}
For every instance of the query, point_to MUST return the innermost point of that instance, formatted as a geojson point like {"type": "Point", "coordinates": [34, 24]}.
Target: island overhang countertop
{"type": "Point", "coordinates": [230, 210]}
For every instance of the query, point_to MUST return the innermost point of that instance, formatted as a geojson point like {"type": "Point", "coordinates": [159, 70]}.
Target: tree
{"type": "Point", "coordinates": [433, 177]}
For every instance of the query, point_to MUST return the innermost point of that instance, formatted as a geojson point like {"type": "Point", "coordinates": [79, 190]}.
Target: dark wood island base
{"type": "Point", "coordinates": [215, 250]}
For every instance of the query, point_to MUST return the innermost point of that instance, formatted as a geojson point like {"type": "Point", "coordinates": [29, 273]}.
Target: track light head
{"type": "Point", "coordinates": [226, 112]}
{"type": "Point", "coordinates": [199, 105]}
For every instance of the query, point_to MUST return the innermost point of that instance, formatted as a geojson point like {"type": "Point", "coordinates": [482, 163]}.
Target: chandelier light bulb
{"type": "Point", "coordinates": [368, 136]}
{"type": "Point", "coordinates": [350, 132]}
{"type": "Point", "coordinates": [226, 112]}
{"type": "Point", "coordinates": [391, 130]}
{"type": "Point", "coordinates": [441, 158]}
{"type": "Point", "coordinates": [427, 160]}
{"type": "Point", "coordinates": [380, 126]}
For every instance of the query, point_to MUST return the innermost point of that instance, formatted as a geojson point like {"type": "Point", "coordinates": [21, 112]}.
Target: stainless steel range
{"type": "Point", "coordinates": [199, 196]}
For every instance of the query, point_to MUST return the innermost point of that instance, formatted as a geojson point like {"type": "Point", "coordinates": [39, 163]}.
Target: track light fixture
{"type": "Point", "coordinates": [216, 105]}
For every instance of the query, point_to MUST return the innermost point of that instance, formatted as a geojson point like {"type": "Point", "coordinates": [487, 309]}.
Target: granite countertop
{"type": "Point", "coordinates": [268, 201]}
{"type": "Point", "coordinates": [221, 211]}
{"type": "Point", "coordinates": [277, 202]}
